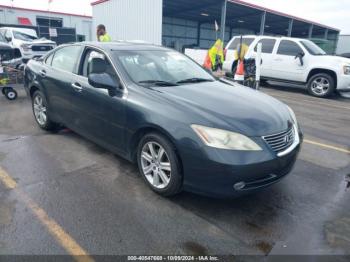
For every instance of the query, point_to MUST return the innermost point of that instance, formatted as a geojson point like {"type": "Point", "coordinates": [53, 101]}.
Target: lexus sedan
{"type": "Point", "coordinates": [186, 129]}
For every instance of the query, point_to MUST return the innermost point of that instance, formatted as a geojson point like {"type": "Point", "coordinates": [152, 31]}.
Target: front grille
{"type": "Point", "coordinates": [281, 141]}
{"type": "Point", "coordinates": [41, 48]}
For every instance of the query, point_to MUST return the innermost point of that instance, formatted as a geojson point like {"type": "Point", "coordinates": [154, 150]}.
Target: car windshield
{"type": "Point", "coordinates": [2, 39]}
{"type": "Point", "coordinates": [161, 68]}
{"type": "Point", "coordinates": [24, 36]}
{"type": "Point", "coordinates": [312, 48]}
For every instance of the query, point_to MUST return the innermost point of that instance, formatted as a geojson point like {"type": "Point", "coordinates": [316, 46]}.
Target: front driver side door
{"type": "Point", "coordinates": [101, 117]}
{"type": "Point", "coordinates": [285, 66]}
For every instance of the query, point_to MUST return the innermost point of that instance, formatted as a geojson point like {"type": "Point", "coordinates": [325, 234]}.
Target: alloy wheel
{"type": "Point", "coordinates": [156, 165]}
{"type": "Point", "coordinates": [39, 110]}
{"type": "Point", "coordinates": [320, 85]}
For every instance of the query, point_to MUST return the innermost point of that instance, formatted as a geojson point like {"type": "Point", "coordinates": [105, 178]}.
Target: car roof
{"type": "Point", "coordinates": [271, 37]}
{"type": "Point", "coordinates": [123, 45]}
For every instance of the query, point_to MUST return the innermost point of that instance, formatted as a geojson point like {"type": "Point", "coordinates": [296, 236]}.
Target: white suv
{"type": "Point", "coordinates": [295, 60]}
{"type": "Point", "coordinates": [27, 41]}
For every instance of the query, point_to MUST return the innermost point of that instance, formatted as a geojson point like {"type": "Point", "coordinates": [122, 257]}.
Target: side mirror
{"type": "Point", "coordinates": [104, 81]}
{"type": "Point", "coordinates": [8, 38]}
{"type": "Point", "coordinates": [300, 56]}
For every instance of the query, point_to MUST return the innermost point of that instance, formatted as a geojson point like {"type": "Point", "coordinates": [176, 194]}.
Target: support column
{"type": "Point", "coordinates": [326, 33]}
{"type": "Point", "coordinates": [223, 20]}
{"type": "Point", "coordinates": [311, 28]}
{"type": "Point", "coordinates": [199, 34]}
{"type": "Point", "coordinates": [262, 23]}
{"type": "Point", "coordinates": [290, 27]}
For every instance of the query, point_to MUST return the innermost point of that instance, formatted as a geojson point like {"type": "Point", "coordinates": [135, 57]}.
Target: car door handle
{"type": "Point", "coordinates": [279, 59]}
{"type": "Point", "coordinates": [77, 87]}
{"type": "Point", "coordinates": [43, 73]}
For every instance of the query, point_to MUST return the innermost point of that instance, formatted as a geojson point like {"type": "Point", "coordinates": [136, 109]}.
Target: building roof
{"type": "Point", "coordinates": [43, 11]}
{"type": "Point", "coordinates": [240, 2]}
{"type": "Point", "coordinates": [212, 3]}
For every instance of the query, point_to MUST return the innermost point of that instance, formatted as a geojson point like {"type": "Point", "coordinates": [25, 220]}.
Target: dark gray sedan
{"type": "Point", "coordinates": [184, 128]}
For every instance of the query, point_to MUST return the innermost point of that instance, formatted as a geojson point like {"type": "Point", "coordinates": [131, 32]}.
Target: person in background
{"type": "Point", "coordinates": [102, 35]}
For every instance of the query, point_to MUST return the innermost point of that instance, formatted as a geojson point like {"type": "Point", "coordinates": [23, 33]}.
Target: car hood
{"type": "Point", "coordinates": [36, 41]}
{"type": "Point", "coordinates": [335, 59]}
{"type": "Point", "coordinates": [235, 108]}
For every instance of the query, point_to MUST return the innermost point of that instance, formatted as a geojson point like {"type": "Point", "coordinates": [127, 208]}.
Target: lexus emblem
{"type": "Point", "coordinates": [286, 139]}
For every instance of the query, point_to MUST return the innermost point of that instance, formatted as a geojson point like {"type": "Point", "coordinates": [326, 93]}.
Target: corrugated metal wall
{"type": "Point", "coordinates": [178, 33]}
{"type": "Point", "coordinates": [131, 20]}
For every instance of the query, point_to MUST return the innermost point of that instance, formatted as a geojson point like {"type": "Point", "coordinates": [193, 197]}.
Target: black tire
{"type": "Point", "coordinates": [175, 184]}
{"type": "Point", "coordinates": [10, 93]}
{"type": "Point", "coordinates": [47, 125]}
{"type": "Point", "coordinates": [3, 90]}
{"type": "Point", "coordinates": [328, 78]}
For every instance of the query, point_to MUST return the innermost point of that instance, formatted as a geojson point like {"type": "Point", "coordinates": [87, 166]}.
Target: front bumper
{"type": "Point", "coordinates": [343, 83]}
{"type": "Point", "coordinates": [222, 173]}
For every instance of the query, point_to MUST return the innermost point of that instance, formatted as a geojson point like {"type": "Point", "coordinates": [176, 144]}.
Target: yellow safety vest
{"type": "Point", "coordinates": [105, 38]}
{"type": "Point", "coordinates": [216, 50]}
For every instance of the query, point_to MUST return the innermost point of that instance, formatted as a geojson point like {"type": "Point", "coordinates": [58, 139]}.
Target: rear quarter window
{"type": "Point", "coordinates": [236, 41]}
{"type": "Point", "coordinates": [267, 45]}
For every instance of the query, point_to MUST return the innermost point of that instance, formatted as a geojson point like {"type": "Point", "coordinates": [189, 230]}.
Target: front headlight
{"type": "Point", "coordinates": [346, 70]}
{"type": "Point", "coordinates": [223, 139]}
{"type": "Point", "coordinates": [292, 114]}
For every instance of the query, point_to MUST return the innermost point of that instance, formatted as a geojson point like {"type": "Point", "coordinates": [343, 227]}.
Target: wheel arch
{"type": "Point", "coordinates": [32, 90]}
{"type": "Point", "coordinates": [141, 132]}
{"type": "Point", "coordinates": [325, 71]}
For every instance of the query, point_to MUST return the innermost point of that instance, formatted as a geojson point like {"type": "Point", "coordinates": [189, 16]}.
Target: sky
{"type": "Point", "coordinates": [334, 13]}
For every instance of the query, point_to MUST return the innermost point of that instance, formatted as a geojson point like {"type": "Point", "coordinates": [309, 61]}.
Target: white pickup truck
{"type": "Point", "coordinates": [295, 60]}
{"type": "Point", "coordinates": [27, 41]}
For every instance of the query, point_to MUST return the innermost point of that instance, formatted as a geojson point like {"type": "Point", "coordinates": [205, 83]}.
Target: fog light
{"type": "Point", "coordinates": [239, 185]}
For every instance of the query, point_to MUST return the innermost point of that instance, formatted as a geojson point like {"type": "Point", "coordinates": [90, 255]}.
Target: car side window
{"type": "Point", "coordinates": [48, 59]}
{"type": "Point", "coordinates": [289, 48]}
{"type": "Point", "coordinates": [66, 58]}
{"type": "Point", "coordinates": [89, 55]}
{"type": "Point", "coordinates": [267, 45]}
{"type": "Point", "coordinates": [8, 34]}
{"type": "Point", "coordinates": [237, 40]}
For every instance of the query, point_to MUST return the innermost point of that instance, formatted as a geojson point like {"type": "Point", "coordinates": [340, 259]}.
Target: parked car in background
{"type": "Point", "coordinates": [27, 41]}
{"type": "Point", "coordinates": [295, 60]}
{"type": "Point", "coordinates": [9, 56]}
{"type": "Point", "coordinates": [154, 106]}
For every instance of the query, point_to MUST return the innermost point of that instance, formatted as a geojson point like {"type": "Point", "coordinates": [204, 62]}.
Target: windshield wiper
{"type": "Point", "coordinates": [194, 80]}
{"type": "Point", "coordinates": [157, 83]}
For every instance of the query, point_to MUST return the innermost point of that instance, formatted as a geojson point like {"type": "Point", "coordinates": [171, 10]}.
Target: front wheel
{"type": "Point", "coordinates": [40, 111]}
{"type": "Point", "coordinates": [159, 164]}
{"type": "Point", "coordinates": [321, 85]}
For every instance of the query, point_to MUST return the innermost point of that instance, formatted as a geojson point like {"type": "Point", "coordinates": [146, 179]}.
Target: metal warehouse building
{"type": "Point", "coordinates": [182, 23]}
{"type": "Point", "coordinates": [66, 24]}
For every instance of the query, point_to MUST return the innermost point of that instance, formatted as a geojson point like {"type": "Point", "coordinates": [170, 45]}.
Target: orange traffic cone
{"type": "Point", "coordinates": [239, 76]}
{"type": "Point", "coordinates": [207, 62]}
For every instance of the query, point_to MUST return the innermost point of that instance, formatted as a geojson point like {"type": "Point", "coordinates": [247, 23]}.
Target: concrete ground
{"type": "Point", "coordinates": [61, 194]}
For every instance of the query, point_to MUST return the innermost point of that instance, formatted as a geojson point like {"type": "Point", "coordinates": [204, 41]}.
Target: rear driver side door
{"type": "Point", "coordinates": [56, 76]}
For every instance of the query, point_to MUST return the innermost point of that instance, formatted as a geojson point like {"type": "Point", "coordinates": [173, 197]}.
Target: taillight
{"type": "Point", "coordinates": [225, 51]}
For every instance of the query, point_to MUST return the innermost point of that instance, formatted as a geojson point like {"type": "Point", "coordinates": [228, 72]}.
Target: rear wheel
{"type": "Point", "coordinates": [321, 85]}
{"type": "Point", "coordinates": [40, 110]}
{"type": "Point", "coordinates": [159, 165]}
